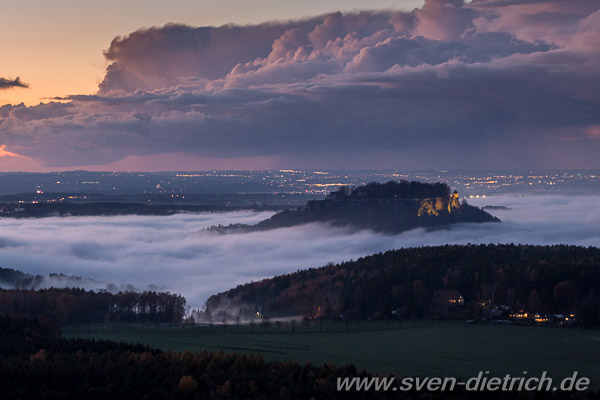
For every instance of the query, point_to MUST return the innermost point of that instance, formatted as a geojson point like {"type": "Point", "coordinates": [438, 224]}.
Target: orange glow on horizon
{"type": "Point", "coordinates": [6, 153]}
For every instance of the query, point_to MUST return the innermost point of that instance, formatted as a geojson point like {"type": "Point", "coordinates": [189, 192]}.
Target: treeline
{"type": "Point", "coordinates": [78, 306]}
{"type": "Point", "coordinates": [14, 278]}
{"type": "Point", "coordinates": [432, 282]}
{"type": "Point", "coordinates": [37, 365]}
{"type": "Point", "coordinates": [394, 189]}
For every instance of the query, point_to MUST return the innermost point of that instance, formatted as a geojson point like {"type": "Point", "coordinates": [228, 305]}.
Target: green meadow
{"type": "Point", "coordinates": [412, 348]}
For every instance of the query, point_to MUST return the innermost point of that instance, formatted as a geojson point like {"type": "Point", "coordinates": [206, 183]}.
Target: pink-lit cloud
{"type": "Point", "coordinates": [448, 85]}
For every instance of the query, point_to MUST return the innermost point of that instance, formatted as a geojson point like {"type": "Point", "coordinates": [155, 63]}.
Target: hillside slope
{"type": "Point", "coordinates": [440, 282]}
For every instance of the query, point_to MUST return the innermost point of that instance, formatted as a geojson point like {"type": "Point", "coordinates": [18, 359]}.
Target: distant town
{"type": "Point", "coordinates": [275, 187]}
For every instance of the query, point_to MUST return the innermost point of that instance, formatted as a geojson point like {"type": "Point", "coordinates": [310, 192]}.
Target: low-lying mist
{"type": "Point", "coordinates": [173, 253]}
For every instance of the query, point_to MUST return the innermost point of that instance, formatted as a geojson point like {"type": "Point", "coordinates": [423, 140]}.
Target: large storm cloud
{"type": "Point", "coordinates": [488, 82]}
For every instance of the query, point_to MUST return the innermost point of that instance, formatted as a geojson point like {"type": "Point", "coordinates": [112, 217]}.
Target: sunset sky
{"type": "Point", "coordinates": [154, 85]}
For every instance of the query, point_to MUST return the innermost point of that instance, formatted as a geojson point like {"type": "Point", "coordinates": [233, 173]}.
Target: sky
{"type": "Point", "coordinates": [183, 85]}
{"type": "Point", "coordinates": [173, 253]}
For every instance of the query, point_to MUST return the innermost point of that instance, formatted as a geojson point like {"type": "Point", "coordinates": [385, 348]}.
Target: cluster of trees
{"type": "Point", "coordinates": [78, 306]}
{"type": "Point", "coordinates": [14, 278]}
{"type": "Point", "coordinates": [432, 282]}
{"type": "Point", "coordinates": [394, 189]}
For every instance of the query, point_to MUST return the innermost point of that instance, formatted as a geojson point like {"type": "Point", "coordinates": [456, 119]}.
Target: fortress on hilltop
{"type": "Point", "coordinates": [390, 207]}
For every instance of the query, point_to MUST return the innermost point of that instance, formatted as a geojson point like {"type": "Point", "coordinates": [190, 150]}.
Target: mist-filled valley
{"type": "Point", "coordinates": [300, 200]}
{"type": "Point", "coordinates": [174, 253]}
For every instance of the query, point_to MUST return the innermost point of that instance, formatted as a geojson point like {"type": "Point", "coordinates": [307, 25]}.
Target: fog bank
{"type": "Point", "coordinates": [173, 253]}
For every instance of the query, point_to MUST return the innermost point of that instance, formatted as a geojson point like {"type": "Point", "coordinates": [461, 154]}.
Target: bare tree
{"type": "Point", "coordinates": [224, 321]}
{"type": "Point", "coordinates": [266, 322]}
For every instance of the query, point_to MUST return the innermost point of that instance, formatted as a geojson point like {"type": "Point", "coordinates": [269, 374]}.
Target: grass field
{"type": "Point", "coordinates": [424, 349]}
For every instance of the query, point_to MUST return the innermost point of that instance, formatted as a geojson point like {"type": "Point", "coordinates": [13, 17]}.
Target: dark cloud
{"type": "Point", "coordinates": [12, 83]}
{"type": "Point", "coordinates": [447, 85]}
{"type": "Point", "coordinates": [160, 57]}
{"type": "Point", "coordinates": [42, 111]}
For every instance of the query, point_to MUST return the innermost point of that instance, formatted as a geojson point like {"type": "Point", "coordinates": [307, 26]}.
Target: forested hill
{"type": "Point", "coordinates": [384, 207]}
{"type": "Point", "coordinates": [437, 282]}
